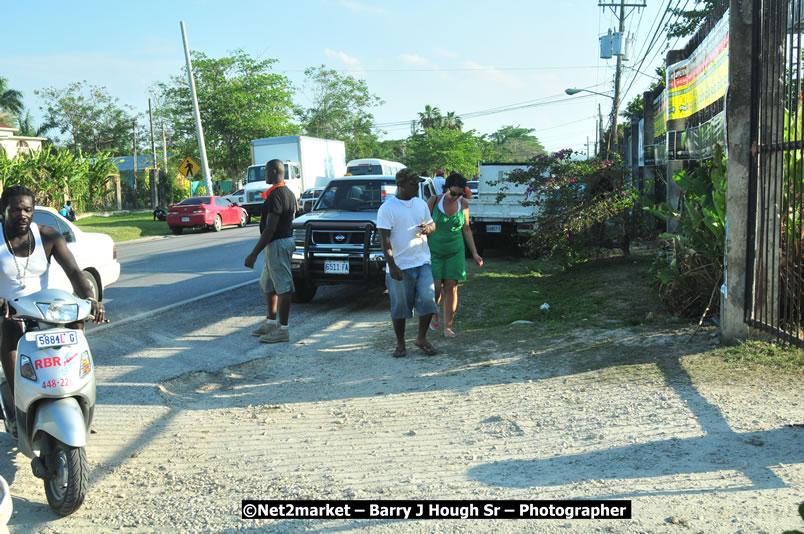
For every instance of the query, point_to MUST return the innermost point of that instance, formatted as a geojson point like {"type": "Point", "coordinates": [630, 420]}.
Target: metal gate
{"type": "Point", "coordinates": [774, 281]}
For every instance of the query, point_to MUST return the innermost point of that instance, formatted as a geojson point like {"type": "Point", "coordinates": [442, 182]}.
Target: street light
{"type": "Point", "coordinates": [573, 91]}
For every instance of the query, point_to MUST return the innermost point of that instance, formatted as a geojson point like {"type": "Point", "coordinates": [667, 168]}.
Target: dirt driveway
{"type": "Point", "coordinates": [596, 415]}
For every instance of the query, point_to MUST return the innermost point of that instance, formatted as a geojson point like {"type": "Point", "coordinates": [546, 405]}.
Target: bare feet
{"type": "Point", "coordinates": [448, 332]}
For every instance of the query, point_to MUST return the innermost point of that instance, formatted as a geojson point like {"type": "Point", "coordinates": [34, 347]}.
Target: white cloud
{"type": "Point", "coordinates": [492, 74]}
{"type": "Point", "coordinates": [443, 52]}
{"type": "Point", "coordinates": [342, 57]}
{"type": "Point", "coordinates": [354, 6]}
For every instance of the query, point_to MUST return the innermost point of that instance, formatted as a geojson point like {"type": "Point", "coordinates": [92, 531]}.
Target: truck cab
{"type": "Point", "coordinates": [256, 186]}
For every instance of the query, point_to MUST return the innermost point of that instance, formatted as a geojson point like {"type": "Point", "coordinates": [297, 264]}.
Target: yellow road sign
{"type": "Point", "coordinates": [189, 167]}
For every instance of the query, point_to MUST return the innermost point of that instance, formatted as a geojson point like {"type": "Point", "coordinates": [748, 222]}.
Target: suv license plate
{"type": "Point", "coordinates": [336, 267]}
{"type": "Point", "coordinates": [56, 339]}
{"type": "Point", "coordinates": [494, 228]}
{"type": "Point", "coordinates": [185, 219]}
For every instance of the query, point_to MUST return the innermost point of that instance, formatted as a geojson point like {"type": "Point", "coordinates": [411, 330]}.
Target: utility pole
{"type": "Point", "coordinates": [135, 164]}
{"type": "Point", "coordinates": [154, 167]}
{"type": "Point", "coordinates": [612, 141]}
{"type": "Point", "coordinates": [617, 78]}
{"type": "Point", "coordinates": [196, 113]}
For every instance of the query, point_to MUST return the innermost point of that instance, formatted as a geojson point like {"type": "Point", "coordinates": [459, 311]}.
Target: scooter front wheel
{"type": "Point", "coordinates": [67, 488]}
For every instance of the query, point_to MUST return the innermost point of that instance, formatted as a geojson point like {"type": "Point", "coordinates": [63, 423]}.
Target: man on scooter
{"type": "Point", "coordinates": [24, 263]}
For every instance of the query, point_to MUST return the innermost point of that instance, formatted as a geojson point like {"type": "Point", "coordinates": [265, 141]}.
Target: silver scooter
{"type": "Point", "coordinates": [54, 394]}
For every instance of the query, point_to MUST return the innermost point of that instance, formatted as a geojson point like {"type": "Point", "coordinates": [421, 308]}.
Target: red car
{"type": "Point", "coordinates": [204, 212]}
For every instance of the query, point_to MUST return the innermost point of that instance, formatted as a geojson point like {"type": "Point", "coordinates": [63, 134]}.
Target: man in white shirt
{"type": "Point", "coordinates": [404, 222]}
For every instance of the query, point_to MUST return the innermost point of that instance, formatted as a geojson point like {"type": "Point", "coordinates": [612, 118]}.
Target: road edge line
{"type": "Point", "coordinates": [147, 314]}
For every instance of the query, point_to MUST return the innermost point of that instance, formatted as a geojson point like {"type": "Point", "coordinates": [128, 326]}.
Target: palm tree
{"type": "Point", "coordinates": [430, 118]}
{"type": "Point", "coordinates": [10, 99]}
{"type": "Point", "coordinates": [452, 121]}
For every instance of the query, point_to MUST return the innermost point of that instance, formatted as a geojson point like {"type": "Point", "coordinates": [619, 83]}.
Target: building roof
{"type": "Point", "coordinates": [4, 125]}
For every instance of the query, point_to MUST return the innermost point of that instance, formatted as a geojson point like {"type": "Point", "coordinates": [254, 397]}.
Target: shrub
{"type": "Point", "coordinates": [690, 268]}
{"type": "Point", "coordinates": [584, 206]}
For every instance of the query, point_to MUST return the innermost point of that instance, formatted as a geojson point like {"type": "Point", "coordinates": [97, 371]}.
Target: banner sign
{"type": "Point", "coordinates": [700, 80]}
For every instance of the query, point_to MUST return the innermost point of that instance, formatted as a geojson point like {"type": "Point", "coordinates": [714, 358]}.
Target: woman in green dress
{"type": "Point", "coordinates": [447, 258]}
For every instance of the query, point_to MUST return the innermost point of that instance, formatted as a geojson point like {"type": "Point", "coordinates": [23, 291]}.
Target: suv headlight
{"type": "Point", "coordinates": [58, 312]}
{"type": "Point", "coordinates": [299, 234]}
{"type": "Point", "coordinates": [375, 238]}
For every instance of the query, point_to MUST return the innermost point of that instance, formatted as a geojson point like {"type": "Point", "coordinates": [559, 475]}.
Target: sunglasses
{"type": "Point", "coordinates": [454, 194]}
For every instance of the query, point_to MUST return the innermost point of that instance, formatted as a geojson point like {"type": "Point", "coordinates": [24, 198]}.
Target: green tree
{"type": "Point", "coordinates": [392, 149]}
{"type": "Point", "coordinates": [90, 116]}
{"type": "Point", "coordinates": [10, 99]}
{"type": "Point", "coordinates": [239, 99]}
{"type": "Point", "coordinates": [430, 117]}
{"type": "Point", "coordinates": [27, 128]}
{"type": "Point", "coordinates": [339, 110]}
{"type": "Point", "coordinates": [442, 148]}
{"type": "Point", "coordinates": [688, 20]}
{"type": "Point", "coordinates": [515, 144]}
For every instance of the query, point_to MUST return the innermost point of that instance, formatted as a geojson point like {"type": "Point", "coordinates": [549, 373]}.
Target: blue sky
{"type": "Point", "coordinates": [467, 56]}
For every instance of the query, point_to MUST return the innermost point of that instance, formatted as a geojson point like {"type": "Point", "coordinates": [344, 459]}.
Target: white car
{"type": "Point", "coordinates": [95, 253]}
{"type": "Point", "coordinates": [237, 198]}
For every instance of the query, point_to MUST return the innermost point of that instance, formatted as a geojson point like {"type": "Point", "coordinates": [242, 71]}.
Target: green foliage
{"type": "Point", "coordinates": [392, 150]}
{"type": "Point", "coordinates": [92, 119]}
{"type": "Point", "coordinates": [431, 118]}
{"type": "Point", "coordinates": [339, 110]}
{"type": "Point", "coordinates": [584, 205]}
{"type": "Point", "coordinates": [513, 144]}
{"type": "Point", "coordinates": [688, 20]}
{"type": "Point", "coordinates": [10, 99]}
{"type": "Point", "coordinates": [239, 98]}
{"type": "Point", "coordinates": [691, 266]}
{"type": "Point", "coordinates": [125, 227]}
{"type": "Point", "coordinates": [56, 175]}
{"type": "Point", "coordinates": [443, 148]}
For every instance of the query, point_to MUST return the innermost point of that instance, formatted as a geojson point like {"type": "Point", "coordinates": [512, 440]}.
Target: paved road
{"type": "Point", "coordinates": [158, 272]}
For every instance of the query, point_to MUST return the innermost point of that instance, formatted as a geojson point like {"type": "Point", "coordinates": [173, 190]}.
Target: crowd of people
{"type": "Point", "coordinates": [423, 243]}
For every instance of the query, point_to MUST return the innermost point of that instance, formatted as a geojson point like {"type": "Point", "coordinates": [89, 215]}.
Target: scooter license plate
{"type": "Point", "coordinates": [56, 339]}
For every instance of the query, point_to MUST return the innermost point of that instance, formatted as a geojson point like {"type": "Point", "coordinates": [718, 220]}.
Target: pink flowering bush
{"type": "Point", "coordinates": [584, 205]}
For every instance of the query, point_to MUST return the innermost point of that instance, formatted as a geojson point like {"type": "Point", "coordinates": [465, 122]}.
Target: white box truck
{"type": "Point", "coordinates": [502, 223]}
{"type": "Point", "coordinates": [308, 161]}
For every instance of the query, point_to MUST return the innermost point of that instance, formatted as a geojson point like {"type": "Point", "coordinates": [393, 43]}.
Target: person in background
{"type": "Point", "coordinates": [450, 212]}
{"type": "Point", "coordinates": [438, 180]}
{"type": "Point", "coordinates": [67, 211]}
{"type": "Point", "coordinates": [404, 223]}
{"type": "Point", "coordinates": [276, 239]}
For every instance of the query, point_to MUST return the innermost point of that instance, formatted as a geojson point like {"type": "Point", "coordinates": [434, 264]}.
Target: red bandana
{"type": "Point", "coordinates": [270, 190]}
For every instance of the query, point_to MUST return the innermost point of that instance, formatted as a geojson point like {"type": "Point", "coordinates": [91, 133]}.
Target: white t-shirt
{"type": "Point", "coordinates": [403, 218]}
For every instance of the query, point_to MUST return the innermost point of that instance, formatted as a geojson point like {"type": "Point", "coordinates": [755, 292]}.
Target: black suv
{"type": "Point", "coordinates": [338, 242]}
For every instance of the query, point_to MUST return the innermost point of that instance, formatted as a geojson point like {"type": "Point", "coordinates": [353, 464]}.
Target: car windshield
{"type": "Point", "coordinates": [355, 195]}
{"type": "Point", "coordinates": [363, 169]}
{"type": "Point", "coordinates": [195, 200]}
{"type": "Point", "coordinates": [256, 173]}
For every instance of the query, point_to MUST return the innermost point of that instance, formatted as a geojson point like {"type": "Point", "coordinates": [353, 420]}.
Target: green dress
{"type": "Point", "coordinates": [447, 258]}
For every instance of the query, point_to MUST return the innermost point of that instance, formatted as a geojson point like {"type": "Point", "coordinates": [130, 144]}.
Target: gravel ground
{"type": "Point", "coordinates": [332, 416]}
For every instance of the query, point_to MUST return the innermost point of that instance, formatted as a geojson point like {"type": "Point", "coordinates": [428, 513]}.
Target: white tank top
{"type": "Point", "coordinates": [36, 276]}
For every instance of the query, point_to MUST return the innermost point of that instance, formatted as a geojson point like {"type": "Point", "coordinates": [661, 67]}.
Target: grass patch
{"type": "Point", "coordinates": [753, 354]}
{"type": "Point", "coordinates": [586, 301]}
{"type": "Point", "coordinates": [125, 227]}
{"type": "Point", "coordinates": [605, 293]}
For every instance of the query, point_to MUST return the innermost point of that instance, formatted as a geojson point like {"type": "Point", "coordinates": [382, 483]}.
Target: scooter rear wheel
{"type": "Point", "coordinates": [68, 487]}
